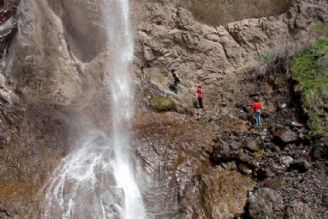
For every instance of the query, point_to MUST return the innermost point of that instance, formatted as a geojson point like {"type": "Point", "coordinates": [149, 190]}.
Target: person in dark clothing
{"type": "Point", "coordinates": [175, 86]}
{"type": "Point", "coordinates": [200, 96]}
{"type": "Point", "coordinates": [257, 109]}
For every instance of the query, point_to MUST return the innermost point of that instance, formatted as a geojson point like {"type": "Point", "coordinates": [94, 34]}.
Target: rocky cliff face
{"type": "Point", "coordinates": [54, 69]}
{"type": "Point", "coordinates": [171, 37]}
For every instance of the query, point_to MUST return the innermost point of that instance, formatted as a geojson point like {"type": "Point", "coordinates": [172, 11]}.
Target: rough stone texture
{"type": "Point", "coordinates": [8, 24]}
{"type": "Point", "coordinates": [221, 12]}
{"type": "Point", "coordinates": [265, 203]}
{"type": "Point", "coordinates": [43, 62]}
{"type": "Point", "coordinates": [181, 181]}
{"type": "Point", "coordinates": [299, 210]}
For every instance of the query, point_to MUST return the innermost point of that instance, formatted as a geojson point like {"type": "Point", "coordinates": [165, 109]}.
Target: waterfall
{"type": "Point", "coordinates": [121, 46]}
{"type": "Point", "coordinates": [97, 181]}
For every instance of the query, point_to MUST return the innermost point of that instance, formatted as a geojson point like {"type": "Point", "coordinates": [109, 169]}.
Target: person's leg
{"type": "Point", "coordinates": [257, 118]}
{"type": "Point", "coordinates": [200, 101]}
{"type": "Point", "coordinates": [260, 119]}
{"type": "Point", "coordinates": [176, 86]}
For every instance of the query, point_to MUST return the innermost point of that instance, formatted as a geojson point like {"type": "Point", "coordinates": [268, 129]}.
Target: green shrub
{"type": "Point", "coordinates": [312, 84]}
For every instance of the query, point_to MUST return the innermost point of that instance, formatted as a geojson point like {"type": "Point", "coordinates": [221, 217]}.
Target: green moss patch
{"type": "Point", "coordinates": [162, 104]}
{"type": "Point", "coordinates": [311, 78]}
{"type": "Point", "coordinates": [167, 104]}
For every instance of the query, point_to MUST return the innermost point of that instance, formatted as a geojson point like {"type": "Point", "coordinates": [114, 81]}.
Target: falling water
{"type": "Point", "coordinates": [121, 45]}
{"type": "Point", "coordinates": [97, 180]}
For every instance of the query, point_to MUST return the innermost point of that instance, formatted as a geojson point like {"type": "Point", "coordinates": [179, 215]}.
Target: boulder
{"type": "Point", "coordinates": [222, 154]}
{"type": "Point", "coordinates": [252, 144]}
{"type": "Point", "coordinates": [285, 136]}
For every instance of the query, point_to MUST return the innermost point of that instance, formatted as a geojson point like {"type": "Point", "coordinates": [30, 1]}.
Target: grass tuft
{"type": "Point", "coordinates": [162, 104]}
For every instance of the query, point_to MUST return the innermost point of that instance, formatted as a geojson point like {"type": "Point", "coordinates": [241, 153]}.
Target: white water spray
{"type": "Point", "coordinates": [97, 181]}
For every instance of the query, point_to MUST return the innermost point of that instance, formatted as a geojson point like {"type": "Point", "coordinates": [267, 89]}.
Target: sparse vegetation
{"type": "Point", "coordinates": [320, 28]}
{"type": "Point", "coordinates": [167, 104]}
{"type": "Point", "coordinates": [312, 85]}
{"type": "Point", "coordinates": [162, 104]}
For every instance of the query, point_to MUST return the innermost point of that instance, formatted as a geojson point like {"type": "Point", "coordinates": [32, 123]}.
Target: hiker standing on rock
{"type": "Point", "coordinates": [200, 96]}
{"type": "Point", "coordinates": [176, 83]}
{"type": "Point", "coordinates": [257, 109]}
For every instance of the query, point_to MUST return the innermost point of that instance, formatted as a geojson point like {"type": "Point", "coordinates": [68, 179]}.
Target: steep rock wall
{"type": "Point", "coordinates": [170, 37]}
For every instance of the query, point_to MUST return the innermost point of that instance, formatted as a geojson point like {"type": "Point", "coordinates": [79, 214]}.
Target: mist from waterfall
{"type": "Point", "coordinates": [97, 180]}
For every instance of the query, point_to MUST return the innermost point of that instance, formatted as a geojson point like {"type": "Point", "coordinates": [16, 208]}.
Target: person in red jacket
{"type": "Point", "coordinates": [257, 109]}
{"type": "Point", "coordinates": [200, 96]}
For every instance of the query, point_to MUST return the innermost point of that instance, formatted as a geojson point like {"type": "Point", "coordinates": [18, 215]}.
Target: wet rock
{"type": "Point", "coordinates": [264, 203]}
{"type": "Point", "coordinates": [285, 136]}
{"type": "Point", "coordinates": [252, 144]}
{"type": "Point", "coordinates": [296, 210]}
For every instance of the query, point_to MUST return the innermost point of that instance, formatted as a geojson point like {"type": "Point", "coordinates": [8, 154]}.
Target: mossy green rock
{"type": "Point", "coordinates": [162, 104]}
